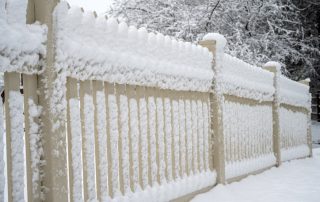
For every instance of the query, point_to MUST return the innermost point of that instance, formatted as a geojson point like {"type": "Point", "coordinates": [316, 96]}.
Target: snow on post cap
{"type": "Point", "coordinates": [305, 81]}
{"type": "Point", "coordinates": [220, 39]}
{"type": "Point", "coordinates": [277, 65]}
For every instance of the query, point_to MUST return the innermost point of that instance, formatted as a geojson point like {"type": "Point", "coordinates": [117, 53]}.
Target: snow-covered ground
{"type": "Point", "coordinates": [294, 181]}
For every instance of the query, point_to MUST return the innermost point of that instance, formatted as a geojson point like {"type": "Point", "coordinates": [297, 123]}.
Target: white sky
{"type": "Point", "coordinates": [100, 6]}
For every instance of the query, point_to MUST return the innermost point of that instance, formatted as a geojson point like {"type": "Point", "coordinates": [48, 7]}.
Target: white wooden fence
{"type": "Point", "coordinates": [70, 136]}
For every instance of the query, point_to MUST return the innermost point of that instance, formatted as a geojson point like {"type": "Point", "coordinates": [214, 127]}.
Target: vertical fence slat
{"type": "Point", "coordinates": [32, 165]}
{"type": "Point", "coordinates": [88, 147]}
{"type": "Point", "coordinates": [152, 135]}
{"type": "Point", "coordinates": [12, 85]}
{"type": "Point", "coordinates": [206, 130]}
{"type": "Point", "coordinates": [113, 140]}
{"type": "Point", "coordinates": [200, 132]}
{"type": "Point", "coordinates": [182, 131]}
{"type": "Point", "coordinates": [160, 136]}
{"type": "Point", "coordinates": [83, 152]}
{"type": "Point", "coordinates": [108, 138]}
{"type": "Point", "coordinates": [123, 120]}
{"type": "Point", "coordinates": [2, 148]}
{"type": "Point", "coordinates": [195, 147]}
{"type": "Point", "coordinates": [100, 140]}
{"type": "Point", "coordinates": [72, 94]}
{"type": "Point", "coordinates": [175, 136]}
{"type": "Point", "coordinates": [189, 135]}
{"type": "Point", "coordinates": [168, 135]}
{"type": "Point", "coordinates": [143, 126]}
{"type": "Point", "coordinates": [134, 137]}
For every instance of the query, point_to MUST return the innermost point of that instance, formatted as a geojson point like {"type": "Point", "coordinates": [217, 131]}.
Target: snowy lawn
{"type": "Point", "coordinates": [295, 181]}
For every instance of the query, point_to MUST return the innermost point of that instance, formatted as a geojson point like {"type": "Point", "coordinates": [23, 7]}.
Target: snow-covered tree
{"type": "Point", "coordinates": [257, 30]}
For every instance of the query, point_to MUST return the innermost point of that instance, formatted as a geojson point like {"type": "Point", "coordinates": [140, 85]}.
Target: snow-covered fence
{"type": "Point", "coordinates": [144, 109]}
{"type": "Point", "coordinates": [244, 96]}
{"type": "Point", "coordinates": [134, 116]}
{"type": "Point", "coordinates": [136, 140]}
{"type": "Point", "coordinates": [247, 94]}
{"type": "Point", "coordinates": [292, 114]}
{"type": "Point", "coordinates": [262, 118]}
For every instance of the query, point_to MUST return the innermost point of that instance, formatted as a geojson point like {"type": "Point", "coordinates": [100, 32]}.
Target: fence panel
{"type": "Point", "coordinates": [139, 150]}
{"type": "Point", "coordinates": [294, 120]}
{"type": "Point", "coordinates": [247, 95]}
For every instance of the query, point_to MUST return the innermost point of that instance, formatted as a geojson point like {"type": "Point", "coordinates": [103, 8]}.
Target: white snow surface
{"type": "Point", "coordinates": [246, 166]}
{"type": "Point", "coordinates": [294, 181]}
{"type": "Point", "coordinates": [21, 45]}
{"type": "Point", "coordinates": [294, 152]}
{"type": "Point", "coordinates": [293, 93]}
{"type": "Point", "coordinates": [244, 80]}
{"type": "Point", "coordinates": [174, 189]}
{"type": "Point", "coordinates": [117, 53]}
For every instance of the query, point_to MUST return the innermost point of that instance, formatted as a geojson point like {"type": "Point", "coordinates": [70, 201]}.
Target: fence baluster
{"type": "Point", "coordinates": [31, 137]}
{"type": "Point", "coordinates": [14, 136]}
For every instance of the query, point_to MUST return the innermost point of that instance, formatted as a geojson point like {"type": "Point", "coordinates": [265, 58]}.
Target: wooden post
{"type": "Point", "coordinates": [54, 130]}
{"type": "Point", "coordinates": [30, 94]}
{"type": "Point", "coordinates": [309, 135]}
{"type": "Point", "coordinates": [275, 113]}
{"type": "Point", "coordinates": [216, 114]}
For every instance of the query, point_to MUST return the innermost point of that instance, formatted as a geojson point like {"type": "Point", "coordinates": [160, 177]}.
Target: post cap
{"type": "Point", "coordinates": [272, 66]}
{"type": "Point", "coordinates": [305, 81]}
{"type": "Point", "coordinates": [220, 40]}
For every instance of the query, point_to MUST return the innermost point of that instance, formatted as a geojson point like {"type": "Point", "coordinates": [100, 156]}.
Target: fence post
{"type": "Point", "coordinates": [215, 44]}
{"type": "Point", "coordinates": [275, 68]}
{"type": "Point", "coordinates": [53, 121]}
{"type": "Point", "coordinates": [309, 136]}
